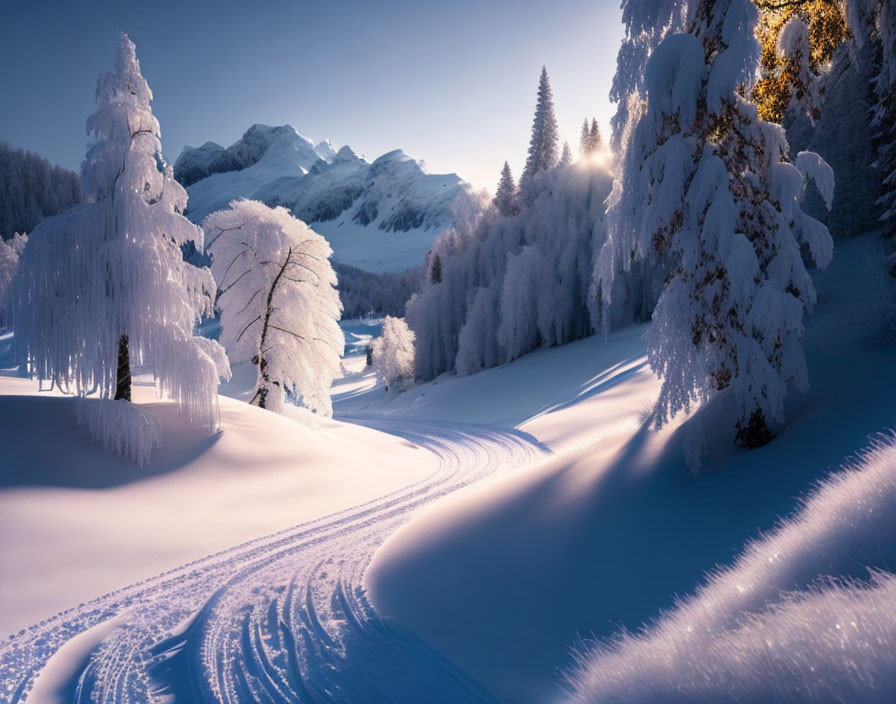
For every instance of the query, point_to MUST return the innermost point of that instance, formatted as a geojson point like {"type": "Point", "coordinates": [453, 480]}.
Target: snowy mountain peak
{"type": "Point", "coordinates": [294, 153]}
{"type": "Point", "coordinates": [325, 149]}
{"type": "Point", "coordinates": [358, 206]}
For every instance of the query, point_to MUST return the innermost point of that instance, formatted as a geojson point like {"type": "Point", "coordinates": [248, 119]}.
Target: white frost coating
{"type": "Point", "coordinates": [393, 354]}
{"type": "Point", "coordinates": [114, 267]}
{"type": "Point", "coordinates": [813, 167]}
{"type": "Point", "coordinates": [701, 180]}
{"type": "Point", "coordinates": [120, 427]}
{"type": "Point", "coordinates": [279, 305]}
{"type": "Point", "coordinates": [772, 627]}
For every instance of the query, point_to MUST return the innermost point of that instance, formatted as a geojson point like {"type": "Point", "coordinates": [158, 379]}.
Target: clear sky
{"type": "Point", "coordinates": [452, 82]}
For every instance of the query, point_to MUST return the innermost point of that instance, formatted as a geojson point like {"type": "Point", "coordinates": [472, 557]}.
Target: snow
{"type": "Point", "coordinates": [606, 533]}
{"type": "Point", "coordinates": [78, 522]}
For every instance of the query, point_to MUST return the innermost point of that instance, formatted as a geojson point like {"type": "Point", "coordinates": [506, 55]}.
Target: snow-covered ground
{"type": "Point", "coordinates": [507, 576]}
{"type": "Point", "coordinates": [495, 575]}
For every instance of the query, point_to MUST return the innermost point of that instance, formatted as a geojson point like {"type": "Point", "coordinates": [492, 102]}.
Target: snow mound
{"type": "Point", "coordinates": [770, 628]}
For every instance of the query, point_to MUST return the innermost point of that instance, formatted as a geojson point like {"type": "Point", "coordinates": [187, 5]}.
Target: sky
{"type": "Point", "coordinates": [451, 82]}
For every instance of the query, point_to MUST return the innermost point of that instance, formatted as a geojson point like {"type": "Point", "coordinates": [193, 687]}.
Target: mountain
{"type": "Point", "coordinates": [380, 216]}
{"type": "Point", "coordinates": [197, 163]}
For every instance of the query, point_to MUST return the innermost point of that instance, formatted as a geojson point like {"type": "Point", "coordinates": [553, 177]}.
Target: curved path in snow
{"type": "Point", "coordinates": [280, 619]}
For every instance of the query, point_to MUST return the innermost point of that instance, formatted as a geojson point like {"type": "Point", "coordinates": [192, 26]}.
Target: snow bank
{"type": "Point", "coordinates": [747, 636]}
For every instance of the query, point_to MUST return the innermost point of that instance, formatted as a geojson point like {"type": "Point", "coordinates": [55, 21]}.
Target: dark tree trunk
{"type": "Point", "coordinates": [123, 380]}
{"type": "Point", "coordinates": [755, 432]}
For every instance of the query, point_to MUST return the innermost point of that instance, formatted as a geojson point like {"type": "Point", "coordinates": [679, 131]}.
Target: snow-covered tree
{"type": "Point", "coordinates": [596, 143]}
{"type": "Point", "coordinates": [505, 197]}
{"type": "Point", "coordinates": [706, 183]}
{"type": "Point", "coordinates": [544, 146]}
{"type": "Point", "coordinates": [393, 354]}
{"type": "Point", "coordinates": [585, 141]}
{"type": "Point", "coordinates": [884, 111]}
{"type": "Point", "coordinates": [105, 284]}
{"type": "Point", "coordinates": [797, 39]}
{"type": "Point", "coordinates": [520, 280]}
{"type": "Point", "coordinates": [566, 156]}
{"type": "Point", "coordinates": [9, 264]}
{"type": "Point", "coordinates": [278, 302]}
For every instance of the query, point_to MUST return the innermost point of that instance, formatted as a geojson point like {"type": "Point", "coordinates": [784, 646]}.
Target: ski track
{"type": "Point", "coordinates": [283, 618]}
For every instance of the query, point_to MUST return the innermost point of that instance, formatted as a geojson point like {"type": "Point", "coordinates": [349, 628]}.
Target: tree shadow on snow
{"type": "Point", "coordinates": [42, 445]}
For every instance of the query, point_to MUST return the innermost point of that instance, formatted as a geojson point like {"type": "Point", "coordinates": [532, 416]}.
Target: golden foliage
{"type": "Point", "coordinates": [778, 76]}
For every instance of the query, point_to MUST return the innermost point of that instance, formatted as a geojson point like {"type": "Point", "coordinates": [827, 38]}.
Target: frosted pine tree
{"type": "Point", "coordinates": [505, 197]}
{"type": "Point", "coordinates": [595, 142]}
{"type": "Point", "coordinates": [393, 354]}
{"type": "Point", "coordinates": [279, 306]}
{"type": "Point", "coordinates": [544, 145]}
{"type": "Point", "coordinates": [566, 156]}
{"type": "Point", "coordinates": [717, 195]}
{"type": "Point", "coordinates": [585, 141]}
{"type": "Point", "coordinates": [105, 285]}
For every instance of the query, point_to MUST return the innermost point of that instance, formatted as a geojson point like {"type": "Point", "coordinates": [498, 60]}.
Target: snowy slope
{"type": "Point", "coordinates": [381, 216]}
{"type": "Point", "coordinates": [86, 522]}
{"type": "Point", "coordinates": [604, 535]}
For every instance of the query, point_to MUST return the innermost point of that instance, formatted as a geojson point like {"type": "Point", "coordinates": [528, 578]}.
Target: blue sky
{"type": "Point", "coordinates": [452, 83]}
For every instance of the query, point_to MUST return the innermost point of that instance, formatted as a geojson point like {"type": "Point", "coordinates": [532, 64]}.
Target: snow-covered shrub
{"type": "Point", "coordinates": [105, 283]}
{"type": "Point", "coordinates": [279, 306]}
{"type": "Point", "coordinates": [393, 354]}
{"type": "Point", "coordinates": [773, 627]}
{"type": "Point", "coordinates": [706, 184]}
{"type": "Point", "coordinates": [510, 284]}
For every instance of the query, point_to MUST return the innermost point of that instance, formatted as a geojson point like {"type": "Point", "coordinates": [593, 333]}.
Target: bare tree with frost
{"type": "Point", "coordinates": [279, 306]}
{"type": "Point", "coordinates": [718, 197]}
{"type": "Point", "coordinates": [105, 285]}
{"type": "Point", "coordinates": [393, 354]}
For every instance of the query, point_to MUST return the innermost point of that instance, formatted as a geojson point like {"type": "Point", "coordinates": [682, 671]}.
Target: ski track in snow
{"type": "Point", "coordinates": [283, 618]}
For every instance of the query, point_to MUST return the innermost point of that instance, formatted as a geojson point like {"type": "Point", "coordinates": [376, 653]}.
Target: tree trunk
{"type": "Point", "coordinates": [755, 432]}
{"type": "Point", "coordinates": [123, 380]}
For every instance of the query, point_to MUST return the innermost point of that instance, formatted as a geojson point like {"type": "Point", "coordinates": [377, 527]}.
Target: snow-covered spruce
{"type": "Point", "coordinates": [105, 284]}
{"type": "Point", "coordinates": [278, 302]}
{"type": "Point", "coordinates": [706, 183]}
{"type": "Point", "coordinates": [505, 196]}
{"type": "Point", "coordinates": [393, 354]}
{"type": "Point", "coordinates": [544, 146]}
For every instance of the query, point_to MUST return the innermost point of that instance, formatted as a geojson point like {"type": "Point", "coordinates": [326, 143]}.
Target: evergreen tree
{"type": "Point", "coordinates": [544, 145]}
{"type": "Point", "coordinates": [707, 183]}
{"type": "Point", "coordinates": [884, 113]}
{"type": "Point", "coordinates": [566, 156]}
{"type": "Point", "coordinates": [585, 141]}
{"type": "Point", "coordinates": [505, 197]}
{"type": "Point", "coordinates": [106, 283]}
{"type": "Point", "coordinates": [594, 139]}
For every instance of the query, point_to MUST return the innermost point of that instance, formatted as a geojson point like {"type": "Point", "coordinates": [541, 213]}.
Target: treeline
{"type": "Point", "coordinates": [364, 293]}
{"type": "Point", "coordinates": [31, 189]}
